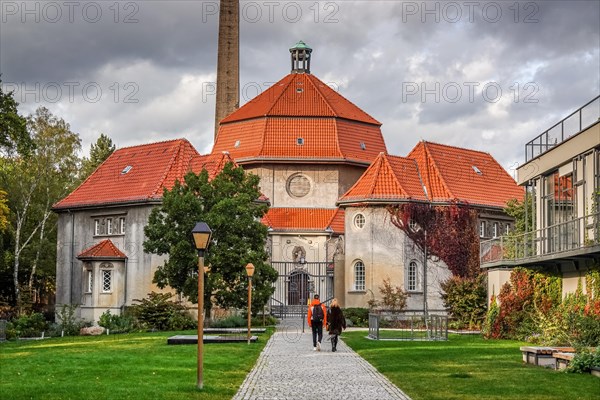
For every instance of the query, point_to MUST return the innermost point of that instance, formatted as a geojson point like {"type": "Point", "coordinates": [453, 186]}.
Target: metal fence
{"type": "Point", "coordinates": [399, 326]}
{"type": "Point", "coordinates": [296, 285]}
{"type": "Point", "coordinates": [567, 236]}
{"type": "Point", "coordinates": [576, 122]}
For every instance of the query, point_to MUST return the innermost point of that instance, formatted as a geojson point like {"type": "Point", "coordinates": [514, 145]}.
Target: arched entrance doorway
{"type": "Point", "coordinates": [298, 290]}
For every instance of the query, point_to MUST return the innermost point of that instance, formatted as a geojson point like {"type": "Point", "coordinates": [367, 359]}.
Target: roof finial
{"type": "Point", "coordinates": [300, 58]}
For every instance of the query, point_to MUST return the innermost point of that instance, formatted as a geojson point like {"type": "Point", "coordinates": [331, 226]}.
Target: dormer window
{"type": "Point", "coordinates": [299, 90]}
{"type": "Point", "coordinates": [300, 141]}
{"type": "Point", "coordinates": [126, 169]}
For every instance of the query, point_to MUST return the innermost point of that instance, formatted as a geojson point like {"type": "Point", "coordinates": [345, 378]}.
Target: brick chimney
{"type": "Point", "coordinates": [228, 61]}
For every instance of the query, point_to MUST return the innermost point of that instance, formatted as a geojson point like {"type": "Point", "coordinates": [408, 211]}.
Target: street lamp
{"type": "Point", "coordinates": [201, 234]}
{"type": "Point", "coordinates": [249, 272]}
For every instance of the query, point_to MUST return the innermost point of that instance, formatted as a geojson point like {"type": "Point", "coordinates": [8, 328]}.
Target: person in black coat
{"type": "Point", "coordinates": [336, 323]}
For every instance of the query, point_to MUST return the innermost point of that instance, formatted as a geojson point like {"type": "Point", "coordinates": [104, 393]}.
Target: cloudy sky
{"type": "Point", "coordinates": [484, 75]}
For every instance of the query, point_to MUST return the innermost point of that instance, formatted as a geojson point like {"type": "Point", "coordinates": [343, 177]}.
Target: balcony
{"type": "Point", "coordinates": [570, 126]}
{"type": "Point", "coordinates": [569, 240]}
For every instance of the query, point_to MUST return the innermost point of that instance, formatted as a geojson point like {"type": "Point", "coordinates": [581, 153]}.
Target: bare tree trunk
{"type": "Point", "coordinates": [21, 218]}
{"type": "Point", "coordinates": [39, 249]}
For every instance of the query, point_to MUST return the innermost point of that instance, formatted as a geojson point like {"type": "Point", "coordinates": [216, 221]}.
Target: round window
{"type": "Point", "coordinates": [359, 221]}
{"type": "Point", "coordinates": [298, 185]}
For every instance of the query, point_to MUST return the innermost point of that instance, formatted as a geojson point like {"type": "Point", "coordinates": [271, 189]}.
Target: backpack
{"type": "Point", "coordinates": [317, 313]}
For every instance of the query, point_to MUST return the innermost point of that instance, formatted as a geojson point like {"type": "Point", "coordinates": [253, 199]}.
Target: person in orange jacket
{"type": "Point", "coordinates": [317, 318]}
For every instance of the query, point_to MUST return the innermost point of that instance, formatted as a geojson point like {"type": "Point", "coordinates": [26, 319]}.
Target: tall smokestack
{"type": "Point", "coordinates": [228, 61]}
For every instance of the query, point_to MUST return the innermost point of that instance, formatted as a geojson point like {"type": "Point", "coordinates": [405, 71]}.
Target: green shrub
{"type": "Point", "coordinates": [357, 315]}
{"type": "Point", "coordinates": [466, 301]}
{"type": "Point", "coordinates": [117, 323]}
{"type": "Point", "coordinates": [233, 321]}
{"type": "Point", "coordinates": [158, 312]}
{"type": "Point", "coordinates": [31, 325]}
{"type": "Point", "coordinates": [68, 324]}
{"type": "Point", "coordinates": [269, 320]}
{"type": "Point", "coordinates": [584, 360]}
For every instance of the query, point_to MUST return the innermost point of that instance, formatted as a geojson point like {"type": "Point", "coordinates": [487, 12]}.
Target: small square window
{"type": "Point", "coordinates": [300, 141]}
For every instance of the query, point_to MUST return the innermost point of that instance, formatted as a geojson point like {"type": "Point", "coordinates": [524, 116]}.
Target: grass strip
{"type": "Point", "coordinates": [123, 366]}
{"type": "Point", "coordinates": [469, 367]}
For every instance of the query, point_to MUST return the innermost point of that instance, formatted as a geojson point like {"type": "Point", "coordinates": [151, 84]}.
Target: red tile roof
{"type": "Point", "coordinates": [451, 173]}
{"type": "Point", "coordinates": [141, 173]}
{"type": "Point", "coordinates": [330, 127]}
{"type": "Point", "coordinates": [105, 250]}
{"type": "Point", "coordinates": [300, 95]}
{"type": "Point", "coordinates": [304, 219]}
{"type": "Point", "coordinates": [389, 178]}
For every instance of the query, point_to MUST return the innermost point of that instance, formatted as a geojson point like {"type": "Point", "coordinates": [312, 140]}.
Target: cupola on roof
{"type": "Point", "coordinates": [300, 58]}
{"type": "Point", "coordinates": [300, 118]}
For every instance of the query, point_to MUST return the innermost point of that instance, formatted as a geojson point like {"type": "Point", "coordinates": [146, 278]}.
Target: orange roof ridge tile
{"type": "Point", "coordinates": [167, 170]}
{"type": "Point", "coordinates": [377, 165]}
{"type": "Point", "coordinates": [394, 175]}
{"type": "Point", "coordinates": [437, 169]}
{"type": "Point", "coordinates": [334, 111]}
{"type": "Point", "coordinates": [283, 89]}
{"type": "Point", "coordinates": [425, 191]}
{"type": "Point", "coordinates": [321, 94]}
{"type": "Point", "coordinates": [454, 147]}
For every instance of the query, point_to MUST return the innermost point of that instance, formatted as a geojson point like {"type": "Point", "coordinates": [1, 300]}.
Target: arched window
{"type": "Point", "coordinates": [411, 277]}
{"type": "Point", "coordinates": [359, 276]}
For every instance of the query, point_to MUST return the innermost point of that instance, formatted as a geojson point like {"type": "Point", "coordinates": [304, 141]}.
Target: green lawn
{"type": "Point", "coordinates": [125, 366]}
{"type": "Point", "coordinates": [469, 367]}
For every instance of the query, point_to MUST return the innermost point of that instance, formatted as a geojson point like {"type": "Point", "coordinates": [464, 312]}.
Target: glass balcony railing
{"type": "Point", "coordinates": [577, 234]}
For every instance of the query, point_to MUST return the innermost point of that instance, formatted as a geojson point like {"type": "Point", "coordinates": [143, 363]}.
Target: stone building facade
{"type": "Point", "coordinates": [324, 167]}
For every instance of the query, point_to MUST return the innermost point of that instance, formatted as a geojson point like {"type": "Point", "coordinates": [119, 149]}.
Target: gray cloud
{"type": "Point", "coordinates": [155, 72]}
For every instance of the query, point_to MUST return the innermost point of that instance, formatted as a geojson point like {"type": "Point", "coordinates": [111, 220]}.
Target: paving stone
{"type": "Point", "coordinates": [288, 368]}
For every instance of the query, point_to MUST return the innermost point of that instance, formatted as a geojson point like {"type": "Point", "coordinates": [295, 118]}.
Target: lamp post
{"type": "Point", "coordinates": [249, 272]}
{"type": "Point", "coordinates": [201, 234]}
{"type": "Point", "coordinates": [425, 278]}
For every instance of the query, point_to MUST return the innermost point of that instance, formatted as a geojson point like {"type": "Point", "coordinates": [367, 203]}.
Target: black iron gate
{"type": "Point", "coordinates": [296, 285]}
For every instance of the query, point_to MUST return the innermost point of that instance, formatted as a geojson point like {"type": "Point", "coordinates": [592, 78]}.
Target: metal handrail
{"type": "Point", "coordinates": [575, 234]}
{"type": "Point", "coordinates": [545, 141]}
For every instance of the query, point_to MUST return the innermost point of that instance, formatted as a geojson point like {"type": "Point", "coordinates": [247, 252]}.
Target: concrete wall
{"type": "Point", "coordinates": [327, 183]}
{"type": "Point", "coordinates": [386, 252]}
{"type": "Point", "coordinates": [132, 277]}
{"type": "Point", "coordinates": [496, 279]}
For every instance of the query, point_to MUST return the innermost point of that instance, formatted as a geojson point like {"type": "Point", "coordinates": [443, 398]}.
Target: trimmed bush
{"type": "Point", "coordinates": [358, 316]}
{"type": "Point", "coordinates": [158, 312]}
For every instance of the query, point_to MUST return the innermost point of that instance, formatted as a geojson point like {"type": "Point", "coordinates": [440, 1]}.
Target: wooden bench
{"type": "Point", "coordinates": [543, 356]}
{"type": "Point", "coordinates": [562, 359]}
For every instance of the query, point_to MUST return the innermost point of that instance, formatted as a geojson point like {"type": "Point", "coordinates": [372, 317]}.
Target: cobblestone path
{"type": "Point", "coordinates": [288, 368]}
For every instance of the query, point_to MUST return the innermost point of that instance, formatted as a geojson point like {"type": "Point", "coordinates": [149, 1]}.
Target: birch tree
{"type": "Point", "coordinates": [36, 181]}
